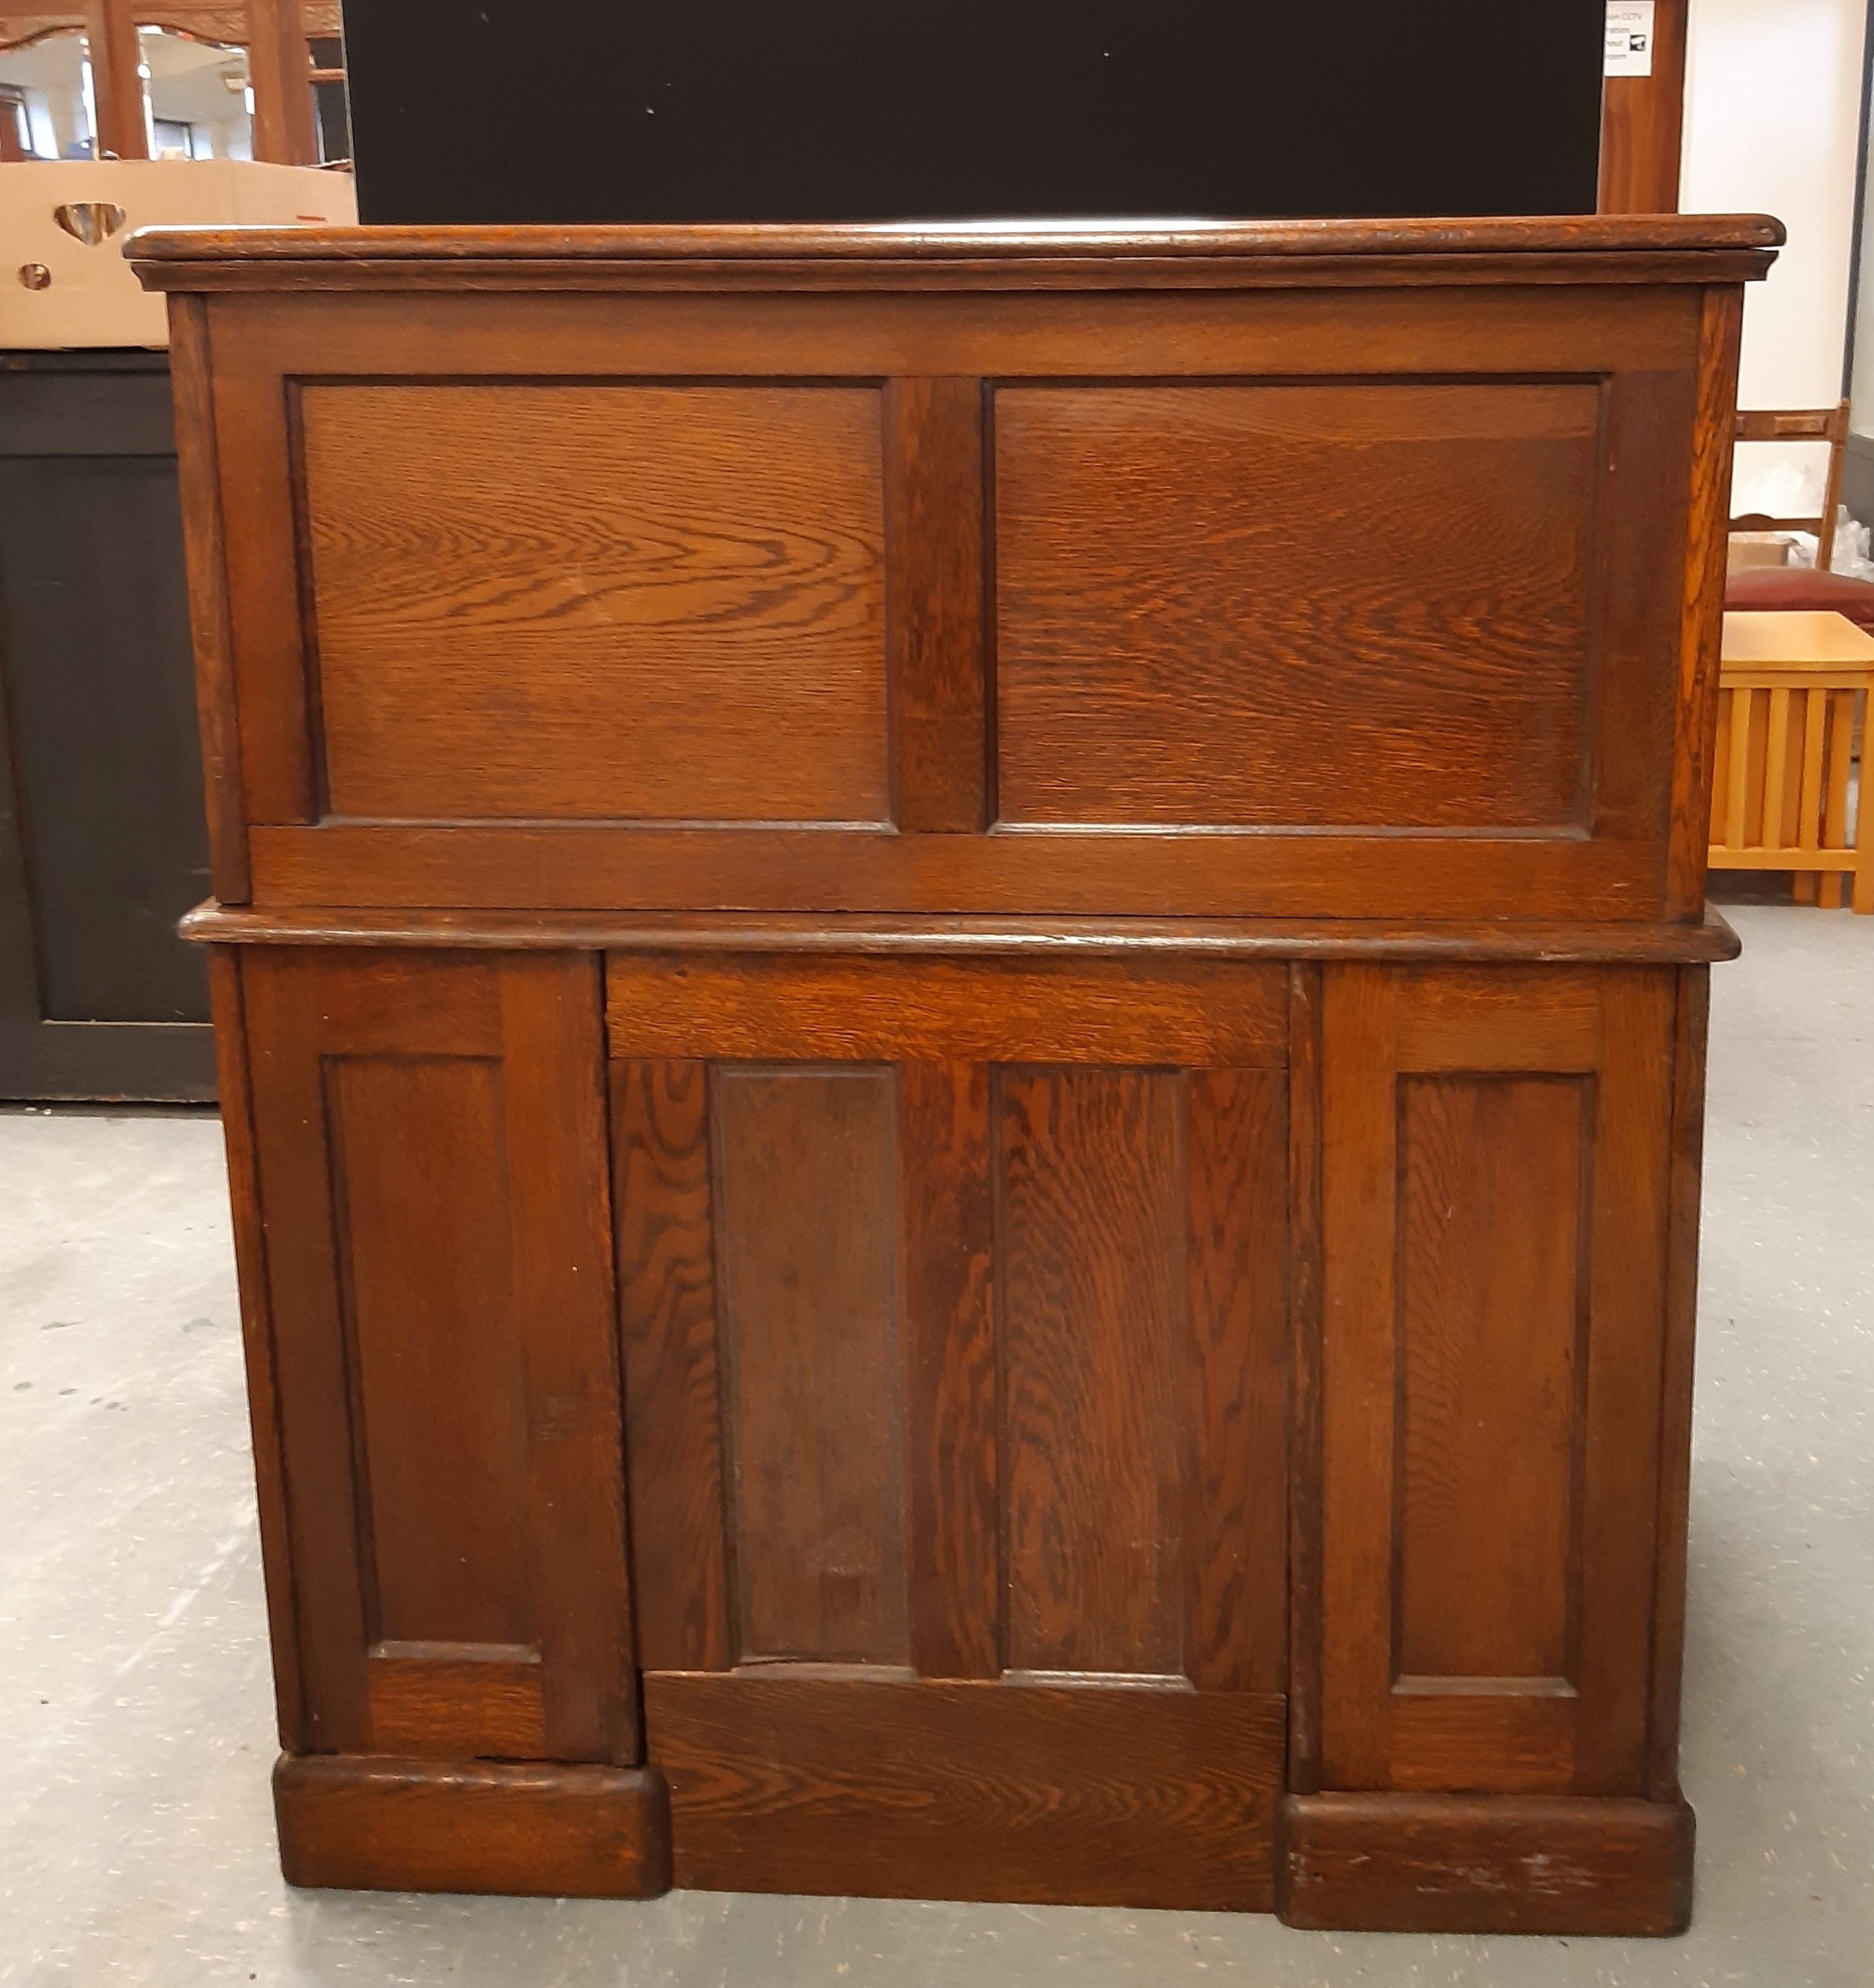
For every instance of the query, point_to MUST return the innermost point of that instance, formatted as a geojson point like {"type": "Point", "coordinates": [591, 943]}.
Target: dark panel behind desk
{"type": "Point", "coordinates": [593, 110]}
{"type": "Point", "coordinates": [102, 841]}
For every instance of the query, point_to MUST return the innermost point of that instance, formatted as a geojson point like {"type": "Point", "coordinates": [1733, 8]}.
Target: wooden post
{"type": "Point", "coordinates": [281, 65]}
{"type": "Point", "coordinates": [1643, 124]}
{"type": "Point", "coordinates": [116, 89]}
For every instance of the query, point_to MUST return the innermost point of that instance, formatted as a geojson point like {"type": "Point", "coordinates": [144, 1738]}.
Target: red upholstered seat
{"type": "Point", "coordinates": [1775, 588]}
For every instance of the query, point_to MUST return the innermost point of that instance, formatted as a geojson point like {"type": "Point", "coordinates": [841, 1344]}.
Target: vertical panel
{"type": "Point", "coordinates": [430, 1146]}
{"type": "Point", "coordinates": [1494, 1211]}
{"type": "Point", "coordinates": [1235, 1409]}
{"type": "Point", "coordinates": [1490, 1313]}
{"type": "Point", "coordinates": [1092, 1245]}
{"type": "Point", "coordinates": [806, 1200]}
{"type": "Point", "coordinates": [1631, 1142]}
{"type": "Point", "coordinates": [423, 1235]}
{"type": "Point", "coordinates": [952, 1467]}
{"type": "Point", "coordinates": [935, 564]}
{"type": "Point", "coordinates": [667, 1319]}
{"type": "Point", "coordinates": [566, 1312]}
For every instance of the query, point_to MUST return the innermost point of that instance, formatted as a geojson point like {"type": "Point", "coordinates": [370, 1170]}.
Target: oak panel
{"type": "Point", "coordinates": [1234, 1399]}
{"type": "Point", "coordinates": [805, 1197]}
{"type": "Point", "coordinates": [1492, 1325]}
{"type": "Point", "coordinates": [423, 1234]}
{"type": "Point", "coordinates": [1158, 663]}
{"type": "Point", "coordinates": [1445, 1863]}
{"type": "Point", "coordinates": [1108, 1011]}
{"type": "Point", "coordinates": [953, 1369]}
{"type": "Point", "coordinates": [430, 1176]}
{"type": "Point", "coordinates": [1492, 1310]}
{"type": "Point", "coordinates": [666, 1300]}
{"type": "Point", "coordinates": [623, 602]}
{"type": "Point", "coordinates": [1087, 1795]}
{"type": "Point", "coordinates": [533, 1830]}
{"type": "Point", "coordinates": [1091, 1270]}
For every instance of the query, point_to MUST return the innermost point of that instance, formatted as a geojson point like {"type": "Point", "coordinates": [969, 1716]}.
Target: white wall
{"type": "Point", "coordinates": [1773, 118]}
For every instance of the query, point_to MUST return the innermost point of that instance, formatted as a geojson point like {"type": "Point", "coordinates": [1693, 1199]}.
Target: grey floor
{"type": "Point", "coordinates": [136, 1840]}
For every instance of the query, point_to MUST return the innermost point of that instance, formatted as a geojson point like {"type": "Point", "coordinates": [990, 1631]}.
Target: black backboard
{"type": "Point", "coordinates": [571, 111]}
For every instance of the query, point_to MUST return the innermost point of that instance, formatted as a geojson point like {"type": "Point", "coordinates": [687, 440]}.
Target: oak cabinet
{"type": "Point", "coordinates": [956, 1173]}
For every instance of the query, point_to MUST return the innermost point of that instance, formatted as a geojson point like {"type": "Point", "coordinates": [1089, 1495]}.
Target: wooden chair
{"type": "Point", "coordinates": [1828, 425]}
{"type": "Point", "coordinates": [1792, 689]}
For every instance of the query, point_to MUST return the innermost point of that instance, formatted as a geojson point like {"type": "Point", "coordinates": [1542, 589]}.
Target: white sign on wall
{"type": "Point", "coordinates": [1629, 37]}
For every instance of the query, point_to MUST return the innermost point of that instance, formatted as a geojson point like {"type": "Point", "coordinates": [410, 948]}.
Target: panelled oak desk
{"type": "Point", "coordinates": [961, 982]}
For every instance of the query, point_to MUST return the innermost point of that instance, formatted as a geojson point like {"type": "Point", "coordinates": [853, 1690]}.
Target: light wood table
{"type": "Point", "coordinates": [1792, 691]}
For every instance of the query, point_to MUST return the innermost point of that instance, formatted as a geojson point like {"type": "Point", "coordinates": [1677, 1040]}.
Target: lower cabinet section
{"type": "Point", "coordinates": [1143, 1430]}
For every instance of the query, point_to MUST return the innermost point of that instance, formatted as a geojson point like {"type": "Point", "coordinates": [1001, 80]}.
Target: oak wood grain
{"type": "Point", "coordinates": [371, 1824]}
{"type": "Point", "coordinates": [667, 1322]}
{"type": "Point", "coordinates": [1081, 1795]}
{"type": "Point", "coordinates": [937, 556]}
{"type": "Point", "coordinates": [1235, 1406]}
{"type": "Point", "coordinates": [712, 934]}
{"type": "Point", "coordinates": [1442, 1864]}
{"type": "Point", "coordinates": [842, 1009]}
{"type": "Point", "coordinates": [677, 613]}
{"type": "Point", "coordinates": [952, 1369]}
{"type": "Point", "coordinates": [1495, 1302]}
{"type": "Point", "coordinates": [804, 1195]}
{"type": "Point", "coordinates": [1155, 662]}
{"type": "Point", "coordinates": [1092, 1268]}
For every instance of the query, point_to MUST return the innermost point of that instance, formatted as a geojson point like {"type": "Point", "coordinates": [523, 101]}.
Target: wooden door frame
{"type": "Point", "coordinates": [1643, 123]}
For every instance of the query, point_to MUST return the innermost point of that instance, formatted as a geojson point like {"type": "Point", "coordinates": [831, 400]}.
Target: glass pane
{"type": "Point", "coordinates": [48, 83]}
{"type": "Point", "coordinates": [197, 97]}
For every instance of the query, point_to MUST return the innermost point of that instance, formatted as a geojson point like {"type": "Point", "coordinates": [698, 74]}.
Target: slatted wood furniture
{"type": "Point", "coordinates": [1822, 424]}
{"type": "Point", "coordinates": [954, 1174]}
{"type": "Point", "coordinates": [1791, 790]}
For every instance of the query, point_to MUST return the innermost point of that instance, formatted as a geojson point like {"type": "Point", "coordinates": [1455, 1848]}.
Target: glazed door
{"type": "Point", "coordinates": [429, 1139]}
{"type": "Point", "coordinates": [953, 1310]}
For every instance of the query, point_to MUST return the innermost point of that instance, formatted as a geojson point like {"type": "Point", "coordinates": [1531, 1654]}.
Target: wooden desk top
{"type": "Point", "coordinates": [1030, 254]}
{"type": "Point", "coordinates": [1791, 641]}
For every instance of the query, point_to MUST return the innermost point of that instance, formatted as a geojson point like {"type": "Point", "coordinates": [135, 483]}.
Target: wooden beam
{"type": "Point", "coordinates": [281, 65]}
{"type": "Point", "coordinates": [117, 89]}
{"type": "Point", "coordinates": [1643, 124]}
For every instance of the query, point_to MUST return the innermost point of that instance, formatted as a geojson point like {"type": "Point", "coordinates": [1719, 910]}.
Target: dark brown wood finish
{"type": "Point", "coordinates": [1008, 1148]}
{"type": "Point", "coordinates": [1642, 122]}
{"type": "Point", "coordinates": [1079, 1795]}
{"type": "Point", "coordinates": [879, 560]}
{"type": "Point", "coordinates": [381, 1824]}
{"type": "Point", "coordinates": [1416, 1864]}
{"type": "Point", "coordinates": [429, 1142]}
{"type": "Point", "coordinates": [954, 1341]}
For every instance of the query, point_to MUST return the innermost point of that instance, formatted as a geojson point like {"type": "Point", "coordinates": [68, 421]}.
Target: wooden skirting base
{"type": "Point", "coordinates": [350, 1823]}
{"type": "Point", "coordinates": [1387, 1863]}
{"type": "Point", "coordinates": [1082, 1794]}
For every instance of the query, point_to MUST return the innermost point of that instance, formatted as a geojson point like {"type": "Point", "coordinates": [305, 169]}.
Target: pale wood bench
{"type": "Point", "coordinates": [1791, 697]}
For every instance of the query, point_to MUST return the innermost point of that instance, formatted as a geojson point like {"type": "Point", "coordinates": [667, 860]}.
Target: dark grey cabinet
{"type": "Point", "coordinates": [103, 845]}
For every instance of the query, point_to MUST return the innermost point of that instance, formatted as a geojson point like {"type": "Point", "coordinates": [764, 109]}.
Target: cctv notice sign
{"type": "Point", "coordinates": [1629, 37]}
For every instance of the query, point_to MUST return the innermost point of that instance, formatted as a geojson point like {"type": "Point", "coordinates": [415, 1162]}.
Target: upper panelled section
{"type": "Point", "coordinates": [1258, 603]}
{"type": "Point", "coordinates": [589, 602]}
{"type": "Point", "coordinates": [959, 602]}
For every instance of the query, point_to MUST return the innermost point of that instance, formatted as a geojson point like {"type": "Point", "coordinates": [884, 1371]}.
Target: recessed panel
{"type": "Point", "coordinates": [592, 602]}
{"type": "Point", "coordinates": [806, 1256]}
{"type": "Point", "coordinates": [421, 1206]}
{"type": "Point", "coordinates": [1093, 1264]}
{"type": "Point", "coordinates": [1364, 606]}
{"type": "Point", "coordinates": [1492, 1318]}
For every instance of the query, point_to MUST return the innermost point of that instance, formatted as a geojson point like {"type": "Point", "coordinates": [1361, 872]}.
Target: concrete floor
{"type": "Point", "coordinates": [136, 1717]}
